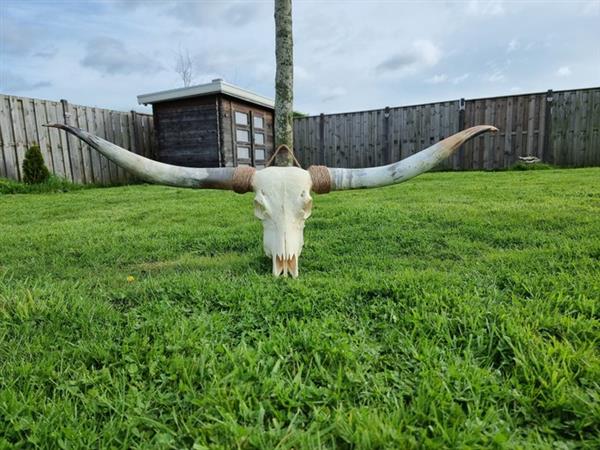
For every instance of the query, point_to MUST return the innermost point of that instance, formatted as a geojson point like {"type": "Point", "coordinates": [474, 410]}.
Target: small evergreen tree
{"type": "Point", "coordinates": [34, 169]}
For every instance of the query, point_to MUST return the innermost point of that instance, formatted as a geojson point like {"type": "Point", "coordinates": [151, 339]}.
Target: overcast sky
{"type": "Point", "coordinates": [349, 55]}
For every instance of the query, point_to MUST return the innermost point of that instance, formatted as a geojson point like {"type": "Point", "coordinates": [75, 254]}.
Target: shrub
{"type": "Point", "coordinates": [535, 166]}
{"type": "Point", "coordinates": [34, 169]}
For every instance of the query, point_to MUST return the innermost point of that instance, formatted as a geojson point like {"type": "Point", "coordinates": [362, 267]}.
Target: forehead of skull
{"type": "Point", "coordinates": [281, 182]}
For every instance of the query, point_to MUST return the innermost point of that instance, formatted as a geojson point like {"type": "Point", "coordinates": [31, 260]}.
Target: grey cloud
{"type": "Point", "coordinates": [110, 56]}
{"type": "Point", "coordinates": [16, 40]}
{"type": "Point", "coordinates": [129, 4]}
{"type": "Point", "coordinates": [421, 54]}
{"type": "Point", "coordinates": [215, 13]}
{"type": "Point", "coordinates": [330, 94]}
{"type": "Point", "coordinates": [12, 82]}
{"type": "Point", "coordinates": [46, 53]}
{"type": "Point", "coordinates": [396, 62]}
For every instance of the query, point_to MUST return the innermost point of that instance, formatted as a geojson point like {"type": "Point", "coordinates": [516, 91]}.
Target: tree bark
{"type": "Point", "coordinates": [284, 82]}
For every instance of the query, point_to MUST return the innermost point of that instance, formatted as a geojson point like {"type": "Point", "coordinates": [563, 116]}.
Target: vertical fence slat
{"type": "Point", "coordinates": [57, 140]}
{"type": "Point", "coordinates": [11, 162]}
{"type": "Point", "coordinates": [73, 146]}
{"type": "Point", "coordinates": [125, 139]}
{"type": "Point", "coordinates": [94, 154]}
{"type": "Point", "coordinates": [3, 173]}
{"type": "Point", "coordinates": [18, 133]}
{"type": "Point", "coordinates": [40, 118]}
{"type": "Point", "coordinates": [100, 131]}
{"type": "Point", "coordinates": [84, 149]}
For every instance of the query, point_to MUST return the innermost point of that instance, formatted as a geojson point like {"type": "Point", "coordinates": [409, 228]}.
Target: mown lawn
{"type": "Point", "coordinates": [457, 310]}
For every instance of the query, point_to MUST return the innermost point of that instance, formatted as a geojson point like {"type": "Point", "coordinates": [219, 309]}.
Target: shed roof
{"type": "Point", "coordinates": [217, 86]}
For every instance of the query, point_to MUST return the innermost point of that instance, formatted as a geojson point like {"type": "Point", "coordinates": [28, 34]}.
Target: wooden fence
{"type": "Point", "coordinates": [21, 121]}
{"type": "Point", "coordinates": [561, 128]}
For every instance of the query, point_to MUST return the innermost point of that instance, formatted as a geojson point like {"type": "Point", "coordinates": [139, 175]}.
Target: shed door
{"type": "Point", "coordinates": [250, 138]}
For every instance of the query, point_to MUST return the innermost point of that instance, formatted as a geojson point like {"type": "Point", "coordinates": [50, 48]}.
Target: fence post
{"type": "Point", "coordinates": [134, 140]}
{"type": "Point", "coordinates": [72, 147]}
{"type": "Point", "coordinates": [459, 155]}
{"type": "Point", "coordinates": [19, 151]}
{"type": "Point", "coordinates": [386, 136]}
{"type": "Point", "coordinates": [548, 151]}
{"type": "Point", "coordinates": [322, 139]}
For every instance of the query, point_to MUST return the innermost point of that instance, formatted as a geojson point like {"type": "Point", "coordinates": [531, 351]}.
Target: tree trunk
{"type": "Point", "coordinates": [284, 82]}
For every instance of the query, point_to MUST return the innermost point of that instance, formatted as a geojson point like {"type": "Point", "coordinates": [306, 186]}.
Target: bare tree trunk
{"type": "Point", "coordinates": [284, 81]}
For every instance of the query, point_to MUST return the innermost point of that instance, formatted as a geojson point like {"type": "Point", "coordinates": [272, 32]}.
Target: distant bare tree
{"type": "Point", "coordinates": [184, 66]}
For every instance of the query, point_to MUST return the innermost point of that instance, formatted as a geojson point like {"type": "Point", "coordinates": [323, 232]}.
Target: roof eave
{"type": "Point", "coordinates": [216, 87]}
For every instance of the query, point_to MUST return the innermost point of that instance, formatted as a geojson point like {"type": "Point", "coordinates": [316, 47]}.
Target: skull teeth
{"type": "Point", "coordinates": [285, 264]}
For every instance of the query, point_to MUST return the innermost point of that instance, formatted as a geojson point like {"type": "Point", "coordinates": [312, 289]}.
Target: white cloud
{"type": "Point", "coordinates": [361, 66]}
{"type": "Point", "coordinates": [300, 73]}
{"type": "Point", "coordinates": [495, 77]}
{"type": "Point", "coordinates": [459, 79]}
{"type": "Point", "coordinates": [563, 71]}
{"type": "Point", "coordinates": [430, 53]}
{"type": "Point", "coordinates": [592, 8]}
{"type": "Point", "coordinates": [436, 79]}
{"type": "Point", "coordinates": [513, 45]}
{"type": "Point", "coordinates": [485, 7]}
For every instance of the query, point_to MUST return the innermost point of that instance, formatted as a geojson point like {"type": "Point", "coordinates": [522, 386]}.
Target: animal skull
{"type": "Point", "coordinates": [282, 202]}
{"type": "Point", "coordinates": [282, 194]}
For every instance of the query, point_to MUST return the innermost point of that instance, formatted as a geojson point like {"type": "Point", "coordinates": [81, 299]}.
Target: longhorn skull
{"type": "Point", "coordinates": [282, 194]}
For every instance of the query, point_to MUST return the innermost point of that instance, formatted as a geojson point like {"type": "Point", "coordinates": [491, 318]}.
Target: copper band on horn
{"type": "Point", "coordinates": [242, 179]}
{"type": "Point", "coordinates": [321, 179]}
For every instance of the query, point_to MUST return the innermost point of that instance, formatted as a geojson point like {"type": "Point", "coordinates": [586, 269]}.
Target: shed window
{"type": "Point", "coordinates": [242, 135]}
{"type": "Point", "coordinates": [250, 137]}
{"type": "Point", "coordinates": [243, 152]}
{"type": "Point", "coordinates": [241, 118]}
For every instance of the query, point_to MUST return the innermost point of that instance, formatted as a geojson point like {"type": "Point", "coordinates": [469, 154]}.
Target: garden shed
{"type": "Point", "coordinates": [212, 125]}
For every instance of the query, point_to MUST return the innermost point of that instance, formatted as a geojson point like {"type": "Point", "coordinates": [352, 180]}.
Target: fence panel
{"type": "Point", "coordinates": [561, 128]}
{"type": "Point", "coordinates": [21, 126]}
{"type": "Point", "coordinates": [575, 127]}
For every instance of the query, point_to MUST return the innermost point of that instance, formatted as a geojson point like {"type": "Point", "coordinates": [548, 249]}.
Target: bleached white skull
{"type": "Point", "coordinates": [282, 202]}
{"type": "Point", "coordinates": [282, 194]}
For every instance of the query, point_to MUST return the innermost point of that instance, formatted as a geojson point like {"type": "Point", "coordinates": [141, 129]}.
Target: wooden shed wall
{"type": "Point", "coordinates": [227, 107]}
{"type": "Point", "coordinates": [187, 132]}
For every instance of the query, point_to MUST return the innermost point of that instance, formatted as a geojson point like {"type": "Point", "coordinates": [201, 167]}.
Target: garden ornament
{"type": "Point", "coordinates": [282, 194]}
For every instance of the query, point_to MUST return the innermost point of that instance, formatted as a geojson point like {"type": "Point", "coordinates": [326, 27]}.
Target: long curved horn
{"type": "Point", "coordinates": [341, 179]}
{"type": "Point", "coordinates": [238, 179]}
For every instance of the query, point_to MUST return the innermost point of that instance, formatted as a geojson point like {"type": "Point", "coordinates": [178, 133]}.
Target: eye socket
{"type": "Point", "coordinates": [260, 210]}
{"type": "Point", "coordinates": [307, 208]}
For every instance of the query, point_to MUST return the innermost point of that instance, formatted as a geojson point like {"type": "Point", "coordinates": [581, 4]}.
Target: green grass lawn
{"type": "Point", "coordinates": [457, 310]}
